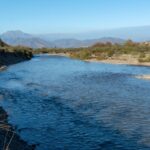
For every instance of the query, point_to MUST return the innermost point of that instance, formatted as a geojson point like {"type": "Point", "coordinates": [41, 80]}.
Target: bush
{"type": "Point", "coordinates": [144, 59]}
{"type": "Point", "coordinates": [142, 55]}
{"type": "Point", "coordinates": [110, 53]}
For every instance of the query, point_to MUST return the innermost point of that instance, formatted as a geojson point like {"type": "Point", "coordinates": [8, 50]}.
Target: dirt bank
{"type": "Point", "coordinates": [8, 58]}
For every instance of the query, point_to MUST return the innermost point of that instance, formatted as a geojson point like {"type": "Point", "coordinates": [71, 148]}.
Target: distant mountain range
{"type": "Point", "coordinates": [140, 34]}
{"type": "Point", "coordinates": [118, 35]}
{"type": "Point", "coordinates": [36, 41]}
{"type": "Point", "coordinates": [20, 38]}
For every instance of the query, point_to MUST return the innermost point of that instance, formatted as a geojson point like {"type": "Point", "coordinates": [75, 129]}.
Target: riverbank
{"type": "Point", "coordinates": [129, 53]}
{"type": "Point", "coordinates": [122, 60]}
{"type": "Point", "coordinates": [8, 57]}
{"type": "Point", "coordinates": [9, 140]}
{"type": "Point", "coordinates": [125, 60]}
{"type": "Point", "coordinates": [59, 54]}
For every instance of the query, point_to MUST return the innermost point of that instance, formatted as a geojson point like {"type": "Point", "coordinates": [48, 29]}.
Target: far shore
{"type": "Point", "coordinates": [123, 62]}
{"type": "Point", "coordinates": [59, 54]}
{"type": "Point", "coordinates": [120, 62]}
{"type": "Point", "coordinates": [130, 61]}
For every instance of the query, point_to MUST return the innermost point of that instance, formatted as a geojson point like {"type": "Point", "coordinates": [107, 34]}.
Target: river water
{"type": "Point", "coordinates": [65, 104]}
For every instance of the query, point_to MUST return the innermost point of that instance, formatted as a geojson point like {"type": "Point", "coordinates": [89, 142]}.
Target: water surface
{"type": "Point", "coordinates": [61, 103]}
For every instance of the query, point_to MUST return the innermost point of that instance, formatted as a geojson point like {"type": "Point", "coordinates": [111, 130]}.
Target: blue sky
{"type": "Point", "coordinates": [70, 16]}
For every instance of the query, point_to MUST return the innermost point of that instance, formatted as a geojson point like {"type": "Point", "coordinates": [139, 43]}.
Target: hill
{"type": "Point", "coordinates": [75, 40]}
{"type": "Point", "coordinates": [16, 38]}
{"type": "Point", "coordinates": [19, 38]}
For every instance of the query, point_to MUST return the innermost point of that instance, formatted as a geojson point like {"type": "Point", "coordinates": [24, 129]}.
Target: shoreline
{"type": "Point", "coordinates": [9, 139]}
{"type": "Point", "coordinates": [107, 61]}
{"type": "Point", "coordinates": [119, 62]}
{"type": "Point", "coordinates": [132, 62]}
{"type": "Point", "coordinates": [59, 54]}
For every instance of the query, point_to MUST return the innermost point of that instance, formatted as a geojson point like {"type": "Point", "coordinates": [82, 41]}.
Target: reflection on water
{"type": "Point", "coordinates": [60, 103]}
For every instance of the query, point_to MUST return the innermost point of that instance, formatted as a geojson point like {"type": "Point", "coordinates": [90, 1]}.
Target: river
{"type": "Point", "coordinates": [65, 104]}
